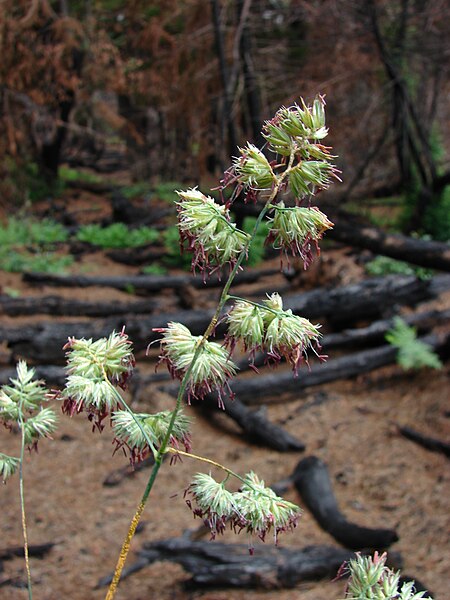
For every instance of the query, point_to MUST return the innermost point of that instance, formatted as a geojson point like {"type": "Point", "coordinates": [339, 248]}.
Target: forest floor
{"type": "Point", "coordinates": [380, 479]}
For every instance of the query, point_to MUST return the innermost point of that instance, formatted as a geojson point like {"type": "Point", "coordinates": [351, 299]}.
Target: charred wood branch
{"type": "Point", "coordinates": [43, 341]}
{"type": "Point", "coordinates": [376, 331]}
{"type": "Point", "coordinates": [146, 283]}
{"type": "Point", "coordinates": [255, 425]}
{"type": "Point", "coordinates": [429, 254]}
{"type": "Point", "coordinates": [118, 475]}
{"type": "Point", "coordinates": [313, 483]}
{"type": "Point", "coordinates": [215, 564]}
{"type": "Point", "coordinates": [366, 299]}
{"type": "Point", "coordinates": [36, 550]}
{"type": "Point", "coordinates": [429, 443]}
{"type": "Point", "coordinates": [143, 255]}
{"type": "Point", "coordinates": [59, 306]}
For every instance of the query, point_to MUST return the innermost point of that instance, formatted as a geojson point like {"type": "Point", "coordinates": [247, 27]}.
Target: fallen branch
{"type": "Point", "coordinates": [141, 283]}
{"type": "Point", "coordinates": [429, 443]}
{"type": "Point", "coordinates": [42, 341]}
{"type": "Point", "coordinates": [424, 253]}
{"type": "Point", "coordinates": [313, 483]}
{"type": "Point", "coordinates": [36, 550]}
{"type": "Point", "coordinates": [255, 425]}
{"type": "Point", "coordinates": [59, 306]}
{"type": "Point", "coordinates": [215, 564]}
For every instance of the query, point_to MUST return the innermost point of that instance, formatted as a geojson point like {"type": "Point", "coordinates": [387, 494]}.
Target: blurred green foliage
{"type": "Point", "coordinates": [117, 235]}
{"type": "Point", "coordinates": [412, 353]}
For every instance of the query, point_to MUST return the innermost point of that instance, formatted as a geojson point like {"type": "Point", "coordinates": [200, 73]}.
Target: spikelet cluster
{"type": "Point", "coordinates": [255, 508]}
{"type": "Point", "coordinates": [268, 328]}
{"type": "Point", "coordinates": [22, 403]}
{"type": "Point", "coordinates": [211, 369]}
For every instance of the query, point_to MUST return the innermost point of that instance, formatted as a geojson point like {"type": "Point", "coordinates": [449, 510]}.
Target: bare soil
{"type": "Point", "coordinates": [380, 479]}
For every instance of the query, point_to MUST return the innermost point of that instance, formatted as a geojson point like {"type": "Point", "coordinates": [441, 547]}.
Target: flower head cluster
{"type": "Point", "coordinates": [212, 368]}
{"type": "Point", "coordinates": [206, 227]}
{"type": "Point", "coordinates": [252, 168]}
{"type": "Point", "coordinates": [370, 578]}
{"type": "Point", "coordinates": [129, 432]}
{"type": "Point", "coordinates": [21, 403]}
{"type": "Point", "coordinates": [297, 123]}
{"type": "Point", "coordinates": [8, 466]}
{"type": "Point", "coordinates": [269, 328]}
{"type": "Point", "coordinates": [298, 130]}
{"type": "Point", "coordinates": [298, 230]}
{"type": "Point", "coordinates": [255, 507]}
{"type": "Point", "coordinates": [93, 368]}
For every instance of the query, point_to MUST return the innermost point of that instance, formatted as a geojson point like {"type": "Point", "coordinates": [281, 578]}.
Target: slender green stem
{"type": "Point", "coordinates": [22, 504]}
{"type": "Point", "coordinates": [185, 381]}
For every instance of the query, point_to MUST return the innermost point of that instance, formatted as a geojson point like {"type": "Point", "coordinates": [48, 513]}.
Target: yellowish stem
{"type": "Point", "coordinates": [124, 552]}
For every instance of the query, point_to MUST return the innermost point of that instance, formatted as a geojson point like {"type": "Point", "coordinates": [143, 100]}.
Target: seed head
{"type": "Point", "coordinates": [371, 578]}
{"type": "Point", "coordinates": [255, 508]}
{"type": "Point", "coordinates": [8, 466]}
{"type": "Point", "coordinates": [21, 402]}
{"type": "Point", "coordinates": [269, 328]}
{"type": "Point", "coordinates": [129, 432]}
{"type": "Point", "coordinates": [253, 169]}
{"type": "Point", "coordinates": [212, 368]}
{"type": "Point", "coordinates": [93, 369]}
{"type": "Point", "coordinates": [210, 235]}
{"type": "Point", "coordinates": [298, 230]}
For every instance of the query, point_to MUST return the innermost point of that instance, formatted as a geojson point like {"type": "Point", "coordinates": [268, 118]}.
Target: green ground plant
{"type": "Point", "coordinates": [27, 245]}
{"type": "Point", "coordinates": [98, 370]}
{"type": "Point", "coordinates": [154, 269]}
{"type": "Point", "coordinates": [412, 353]}
{"type": "Point", "coordinates": [13, 261]}
{"type": "Point", "coordinates": [117, 235]}
{"type": "Point", "coordinates": [256, 252]}
{"type": "Point", "coordinates": [26, 231]}
{"type": "Point", "coordinates": [69, 175]}
{"type": "Point", "coordinates": [384, 265]}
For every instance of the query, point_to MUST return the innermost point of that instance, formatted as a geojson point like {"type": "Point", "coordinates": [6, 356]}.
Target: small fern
{"type": "Point", "coordinates": [412, 353]}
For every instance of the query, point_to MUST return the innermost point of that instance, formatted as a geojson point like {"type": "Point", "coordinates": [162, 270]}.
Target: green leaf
{"type": "Point", "coordinates": [412, 353]}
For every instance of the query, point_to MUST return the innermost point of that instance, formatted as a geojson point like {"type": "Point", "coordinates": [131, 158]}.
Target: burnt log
{"type": "Point", "coordinates": [313, 483]}
{"type": "Point", "coordinates": [42, 341]}
{"type": "Point", "coordinates": [367, 299]}
{"type": "Point", "coordinates": [142, 283]}
{"type": "Point", "coordinates": [423, 253]}
{"type": "Point", "coordinates": [376, 331]}
{"type": "Point", "coordinates": [59, 306]}
{"type": "Point", "coordinates": [36, 550]}
{"type": "Point", "coordinates": [215, 564]}
{"type": "Point", "coordinates": [433, 444]}
{"type": "Point", "coordinates": [255, 425]}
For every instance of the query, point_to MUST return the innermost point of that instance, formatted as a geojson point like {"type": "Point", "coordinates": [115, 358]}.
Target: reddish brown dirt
{"type": "Point", "coordinates": [380, 480]}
